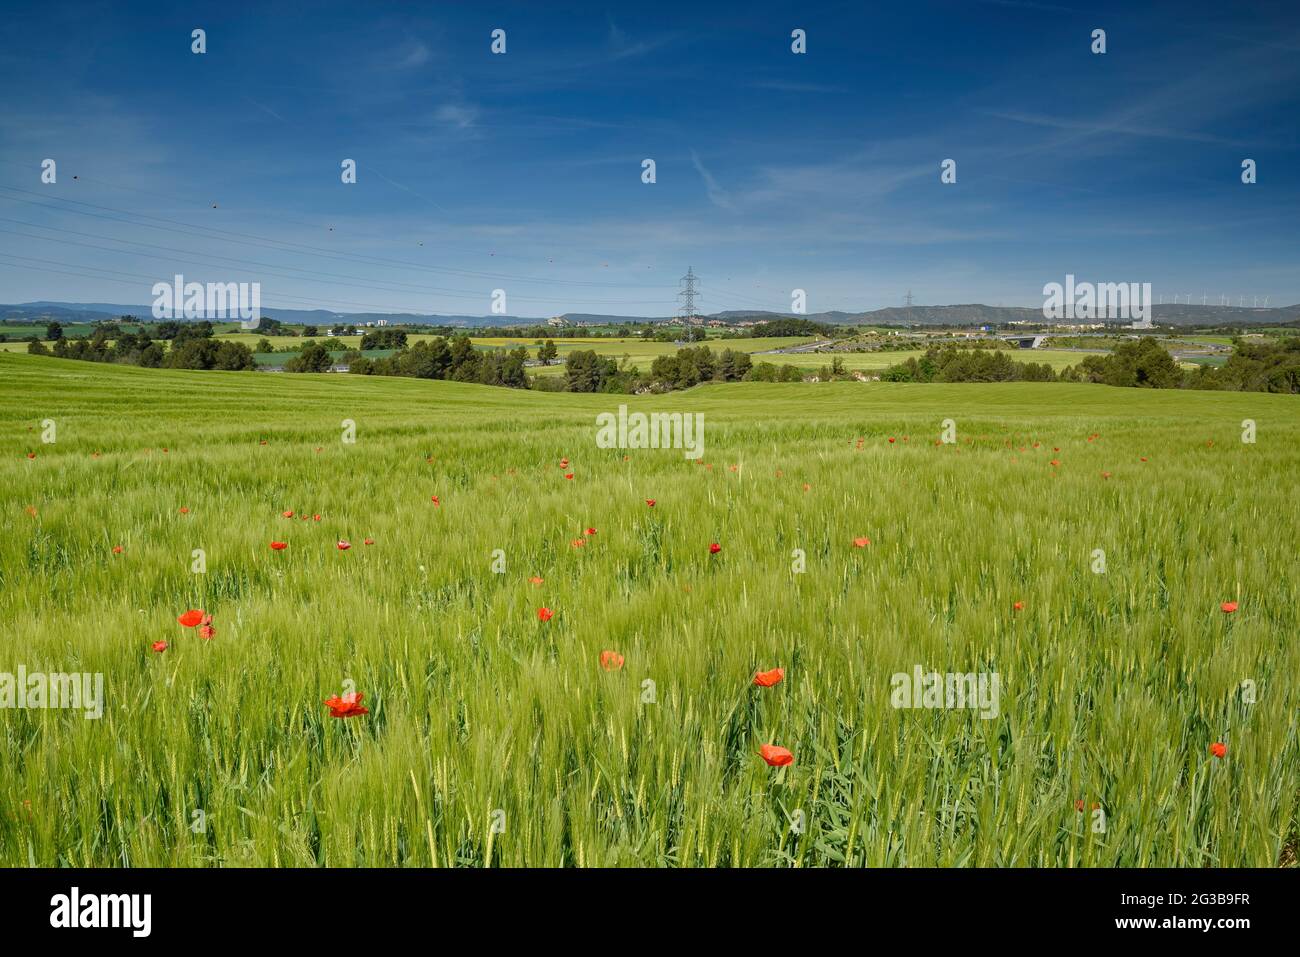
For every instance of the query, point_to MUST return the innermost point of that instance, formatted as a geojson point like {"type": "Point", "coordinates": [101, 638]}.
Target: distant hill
{"type": "Point", "coordinates": [967, 314]}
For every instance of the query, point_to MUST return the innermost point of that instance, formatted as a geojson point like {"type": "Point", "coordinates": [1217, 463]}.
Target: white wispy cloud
{"type": "Point", "coordinates": [717, 195]}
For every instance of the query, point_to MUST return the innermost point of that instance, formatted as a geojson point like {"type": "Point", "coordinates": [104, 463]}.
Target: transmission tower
{"type": "Point", "coordinates": [907, 300]}
{"type": "Point", "coordinates": [688, 295]}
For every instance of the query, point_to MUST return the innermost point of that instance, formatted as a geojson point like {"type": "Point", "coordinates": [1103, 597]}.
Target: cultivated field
{"type": "Point", "coordinates": [496, 738]}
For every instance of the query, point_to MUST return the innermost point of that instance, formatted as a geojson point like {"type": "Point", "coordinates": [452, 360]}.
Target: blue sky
{"type": "Point", "coordinates": [775, 171]}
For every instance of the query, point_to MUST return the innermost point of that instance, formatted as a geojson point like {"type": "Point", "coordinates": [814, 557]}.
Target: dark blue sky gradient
{"type": "Point", "coordinates": [523, 172]}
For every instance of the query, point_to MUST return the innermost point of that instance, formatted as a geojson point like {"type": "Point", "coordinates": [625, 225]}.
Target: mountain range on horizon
{"type": "Point", "coordinates": [956, 314]}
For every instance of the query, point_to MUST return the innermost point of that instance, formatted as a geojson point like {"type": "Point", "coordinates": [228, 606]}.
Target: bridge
{"type": "Point", "coordinates": [1027, 341]}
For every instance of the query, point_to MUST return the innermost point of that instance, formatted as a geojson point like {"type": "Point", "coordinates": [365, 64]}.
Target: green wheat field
{"type": "Point", "coordinates": [496, 739]}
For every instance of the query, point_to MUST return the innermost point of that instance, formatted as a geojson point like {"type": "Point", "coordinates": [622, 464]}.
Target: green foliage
{"type": "Point", "coordinates": [198, 353]}
{"type": "Point", "coordinates": [1266, 366]}
{"type": "Point", "coordinates": [953, 364]}
{"type": "Point", "coordinates": [312, 357]}
{"type": "Point", "coordinates": [383, 339]}
{"type": "Point", "coordinates": [1113, 685]}
{"type": "Point", "coordinates": [792, 327]}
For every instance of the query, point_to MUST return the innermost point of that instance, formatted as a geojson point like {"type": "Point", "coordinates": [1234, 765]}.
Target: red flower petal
{"type": "Point", "coordinates": [775, 755]}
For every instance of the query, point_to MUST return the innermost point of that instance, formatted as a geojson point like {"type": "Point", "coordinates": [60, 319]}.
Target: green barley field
{"type": "Point", "coordinates": [496, 739]}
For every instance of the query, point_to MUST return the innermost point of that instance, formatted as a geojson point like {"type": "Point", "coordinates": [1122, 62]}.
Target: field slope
{"type": "Point", "coordinates": [496, 738]}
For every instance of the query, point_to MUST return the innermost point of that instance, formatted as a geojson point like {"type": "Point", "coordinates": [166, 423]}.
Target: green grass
{"type": "Point", "coordinates": [1113, 685]}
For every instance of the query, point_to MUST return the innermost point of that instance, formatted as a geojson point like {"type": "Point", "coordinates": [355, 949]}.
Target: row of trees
{"type": "Point", "coordinates": [953, 364]}
{"type": "Point", "coordinates": [587, 371]}
{"type": "Point", "coordinates": [1144, 364]}
{"type": "Point", "coordinates": [454, 359]}
{"type": "Point", "coordinates": [138, 349]}
{"type": "Point", "coordinates": [1266, 366]}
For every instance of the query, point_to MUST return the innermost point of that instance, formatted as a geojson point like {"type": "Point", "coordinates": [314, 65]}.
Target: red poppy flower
{"type": "Point", "coordinates": [569, 476]}
{"type": "Point", "coordinates": [164, 451]}
{"type": "Point", "coordinates": [305, 517]}
{"type": "Point", "coordinates": [591, 531]}
{"type": "Point", "coordinates": [287, 513]}
{"type": "Point", "coordinates": [544, 614]}
{"type": "Point", "coordinates": [1105, 475]}
{"type": "Point", "coordinates": [564, 463]}
{"type": "Point", "coordinates": [191, 618]}
{"type": "Point", "coordinates": [435, 500]}
{"type": "Point", "coordinates": [117, 549]}
{"type": "Point", "coordinates": [1056, 461]}
{"type": "Point", "coordinates": [775, 755]}
{"type": "Point", "coordinates": [1228, 607]}
{"type": "Point", "coordinates": [315, 518]}
{"type": "Point", "coordinates": [368, 541]}
{"type": "Point", "coordinates": [348, 706]}
{"type": "Point", "coordinates": [578, 542]}
{"type": "Point", "coordinates": [611, 660]}
{"type": "Point", "coordinates": [861, 542]}
{"type": "Point", "coordinates": [807, 487]}
{"type": "Point", "coordinates": [891, 440]}
{"type": "Point", "coordinates": [650, 502]}
{"type": "Point", "coordinates": [344, 545]}
{"type": "Point", "coordinates": [1019, 606]}
{"type": "Point", "coordinates": [208, 632]}
{"type": "Point", "coordinates": [206, 619]}
{"type": "Point", "coordinates": [279, 546]}
{"type": "Point", "coordinates": [31, 455]}
{"type": "Point", "coordinates": [1144, 458]}
{"type": "Point", "coordinates": [185, 510]}
{"type": "Point", "coordinates": [1218, 749]}
{"type": "Point", "coordinates": [766, 679]}
{"type": "Point", "coordinates": [715, 548]}
{"type": "Point", "coordinates": [535, 580]}
{"type": "Point", "coordinates": [159, 646]}
{"type": "Point", "coordinates": [263, 442]}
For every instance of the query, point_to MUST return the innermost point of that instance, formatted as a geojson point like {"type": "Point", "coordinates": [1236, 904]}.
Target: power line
{"type": "Point", "coordinates": [291, 246]}
{"type": "Point", "coordinates": [265, 270]}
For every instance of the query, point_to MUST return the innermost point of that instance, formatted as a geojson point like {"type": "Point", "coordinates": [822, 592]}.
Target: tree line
{"type": "Point", "coordinates": [1145, 364]}
{"type": "Point", "coordinates": [189, 349]}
